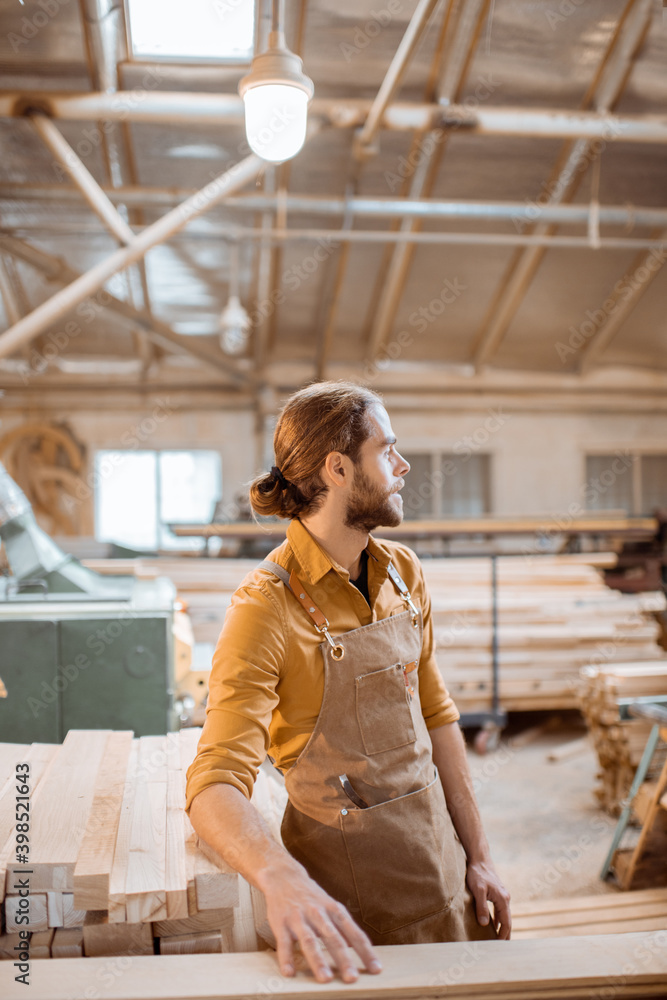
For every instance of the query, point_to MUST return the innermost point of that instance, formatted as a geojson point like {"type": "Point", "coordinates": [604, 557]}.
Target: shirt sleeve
{"type": "Point", "coordinates": [242, 695]}
{"type": "Point", "coordinates": [438, 707]}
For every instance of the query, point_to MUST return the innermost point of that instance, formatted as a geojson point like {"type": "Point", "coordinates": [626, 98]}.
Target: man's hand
{"type": "Point", "coordinates": [486, 887]}
{"type": "Point", "coordinates": [302, 913]}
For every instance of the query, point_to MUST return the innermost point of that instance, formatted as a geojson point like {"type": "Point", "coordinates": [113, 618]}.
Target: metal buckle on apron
{"type": "Point", "coordinates": [337, 650]}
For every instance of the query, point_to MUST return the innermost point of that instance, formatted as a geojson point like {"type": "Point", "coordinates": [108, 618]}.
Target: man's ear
{"type": "Point", "coordinates": [338, 469]}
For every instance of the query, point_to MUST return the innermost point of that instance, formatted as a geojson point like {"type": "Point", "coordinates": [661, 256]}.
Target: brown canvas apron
{"type": "Point", "coordinates": [366, 814]}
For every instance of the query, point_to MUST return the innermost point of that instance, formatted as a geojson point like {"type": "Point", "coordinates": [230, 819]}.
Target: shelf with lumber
{"type": "Point", "coordinates": [555, 615]}
{"type": "Point", "coordinates": [598, 524]}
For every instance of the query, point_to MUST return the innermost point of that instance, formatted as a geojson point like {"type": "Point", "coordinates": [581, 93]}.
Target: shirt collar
{"type": "Point", "coordinates": [315, 562]}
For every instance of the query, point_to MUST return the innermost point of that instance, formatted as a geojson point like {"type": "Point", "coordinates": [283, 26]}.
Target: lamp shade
{"type": "Point", "coordinates": [275, 120]}
{"type": "Point", "coordinates": [275, 94]}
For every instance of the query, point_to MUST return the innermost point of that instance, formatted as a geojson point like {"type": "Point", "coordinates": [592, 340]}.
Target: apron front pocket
{"type": "Point", "coordinates": [406, 860]}
{"type": "Point", "coordinates": [383, 710]}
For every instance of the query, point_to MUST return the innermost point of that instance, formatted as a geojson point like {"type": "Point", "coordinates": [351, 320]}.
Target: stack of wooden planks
{"type": "Point", "coordinates": [607, 913]}
{"type": "Point", "coordinates": [619, 744]}
{"type": "Point", "coordinates": [115, 867]}
{"type": "Point", "coordinates": [555, 615]}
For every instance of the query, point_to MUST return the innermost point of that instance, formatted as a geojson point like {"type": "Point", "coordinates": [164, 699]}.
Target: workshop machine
{"type": "Point", "coordinates": [78, 649]}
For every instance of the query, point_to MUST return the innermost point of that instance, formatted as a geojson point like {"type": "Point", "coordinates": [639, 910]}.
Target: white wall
{"type": "Point", "coordinates": [538, 464]}
{"type": "Point", "coordinates": [538, 459]}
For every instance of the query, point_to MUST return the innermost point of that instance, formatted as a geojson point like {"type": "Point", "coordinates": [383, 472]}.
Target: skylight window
{"type": "Point", "coordinates": [220, 30]}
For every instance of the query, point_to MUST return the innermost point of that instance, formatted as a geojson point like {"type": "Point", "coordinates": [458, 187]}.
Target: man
{"type": "Point", "coordinates": [326, 662]}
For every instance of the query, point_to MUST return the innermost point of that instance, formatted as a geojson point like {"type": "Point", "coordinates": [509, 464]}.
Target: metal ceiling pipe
{"type": "Point", "coordinates": [70, 296]}
{"type": "Point", "coordinates": [86, 183]}
{"type": "Point", "coordinates": [143, 105]}
{"type": "Point", "coordinates": [427, 208]}
{"type": "Point", "coordinates": [216, 233]}
{"type": "Point", "coordinates": [398, 236]}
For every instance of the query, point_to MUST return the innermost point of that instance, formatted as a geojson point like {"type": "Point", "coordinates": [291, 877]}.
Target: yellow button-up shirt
{"type": "Point", "coordinates": [267, 679]}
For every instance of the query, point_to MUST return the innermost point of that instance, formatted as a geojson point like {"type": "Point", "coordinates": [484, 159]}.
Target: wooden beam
{"type": "Point", "coordinates": [59, 823]}
{"type": "Point", "coordinates": [93, 867]}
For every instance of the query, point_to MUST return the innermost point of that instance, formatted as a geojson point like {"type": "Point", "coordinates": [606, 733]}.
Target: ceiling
{"type": "Point", "coordinates": [488, 275]}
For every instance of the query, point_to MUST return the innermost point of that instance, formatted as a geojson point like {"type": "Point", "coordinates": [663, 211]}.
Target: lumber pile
{"type": "Point", "coordinates": [577, 968]}
{"type": "Point", "coordinates": [607, 913]}
{"type": "Point", "coordinates": [555, 615]}
{"type": "Point", "coordinates": [115, 867]}
{"type": "Point", "coordinates": [619, 744]}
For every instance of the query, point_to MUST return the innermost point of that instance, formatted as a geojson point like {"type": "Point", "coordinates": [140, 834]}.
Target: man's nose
{"type": "Point", "coordinates": [404, 466]}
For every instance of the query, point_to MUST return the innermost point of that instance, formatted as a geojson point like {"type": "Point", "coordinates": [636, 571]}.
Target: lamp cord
{"type": "Point", "coordinates": [277, 15]}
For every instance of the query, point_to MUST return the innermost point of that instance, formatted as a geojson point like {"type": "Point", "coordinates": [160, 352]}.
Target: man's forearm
{"type": "Point", "coordinates": [298, 909]}
{"type": "Point", "coordinates": [230, 824]}
{"type": "Point", "coordinates": [449, 755]}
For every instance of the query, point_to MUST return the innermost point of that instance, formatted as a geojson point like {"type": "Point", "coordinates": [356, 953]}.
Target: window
{"type": "Point", "coordinates": [653, 482]}
{"type": "Point", "coordinates": [139, 493]}
{"type": "Point", "coordinates": [635, 483]}
{"type": "Point", "coordinates": [222, 30]}
{"type": "Point", "coordinates": [442, 485]}
{"type": "Point", "coordinates": [608, 482]}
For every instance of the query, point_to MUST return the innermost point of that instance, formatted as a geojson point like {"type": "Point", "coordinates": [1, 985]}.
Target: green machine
{"type": "Point", "coordinates": [78, 650]}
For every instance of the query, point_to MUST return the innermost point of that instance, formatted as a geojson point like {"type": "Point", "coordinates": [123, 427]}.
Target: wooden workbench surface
{"type": "Point", "coordinates": [618, 965]}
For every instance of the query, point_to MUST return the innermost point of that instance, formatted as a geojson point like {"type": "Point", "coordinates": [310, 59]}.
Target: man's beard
{"type": "Point", "coordinates": [369, 506]}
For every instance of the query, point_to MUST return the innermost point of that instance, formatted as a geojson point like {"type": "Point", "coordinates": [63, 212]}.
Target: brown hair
{"type": "Point", "coordinates": [323, 417]}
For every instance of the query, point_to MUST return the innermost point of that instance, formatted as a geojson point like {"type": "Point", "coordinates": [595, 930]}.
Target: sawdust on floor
{"type": "Point", "coordinates": [548, 837]}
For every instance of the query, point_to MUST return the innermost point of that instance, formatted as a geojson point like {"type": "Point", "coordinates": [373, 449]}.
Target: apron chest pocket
{"type": "Point", "coordinates": [383, 710]}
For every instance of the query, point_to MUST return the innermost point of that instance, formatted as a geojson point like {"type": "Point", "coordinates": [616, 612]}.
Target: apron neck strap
{"type": "Point", "coordinates": [293, 584]}
{"type": "Point", "coordinates": [398, 582]}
